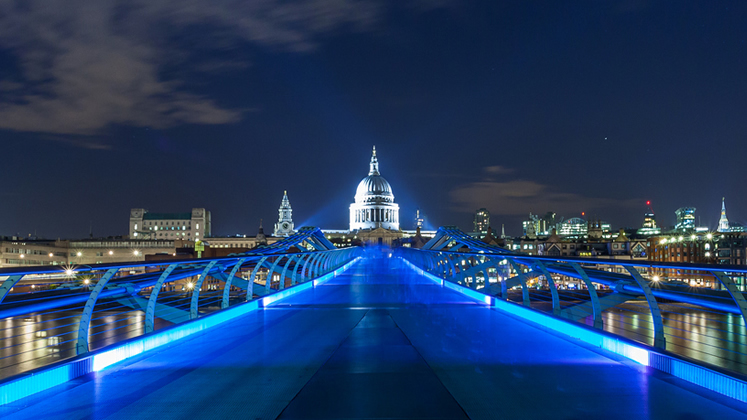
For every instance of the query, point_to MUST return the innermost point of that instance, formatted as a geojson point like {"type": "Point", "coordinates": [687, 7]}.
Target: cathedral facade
{"type": "Point", "coordinates": [374, 205]}
{"type": "Point", "coordinates": [374, 216]}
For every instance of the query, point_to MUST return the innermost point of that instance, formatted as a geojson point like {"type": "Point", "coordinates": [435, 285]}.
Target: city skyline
{"type": "Point", "coordinates": [664, 227]}
{"type": "Point", "coordinates": [514, 107]}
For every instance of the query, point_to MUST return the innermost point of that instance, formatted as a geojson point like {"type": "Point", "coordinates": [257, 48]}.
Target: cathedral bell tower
{"type": "Point", "coordinates": [284, 226]}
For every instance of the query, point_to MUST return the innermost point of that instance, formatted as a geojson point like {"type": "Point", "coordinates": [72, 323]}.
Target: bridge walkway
{"type": "Point", "coordinates": [379, 341]}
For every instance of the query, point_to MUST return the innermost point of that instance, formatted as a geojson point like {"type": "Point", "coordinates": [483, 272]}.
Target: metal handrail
{"type": "Point", "coordinates": [605, 295]}
{"type": "Point", "coordinates": [111, 289]}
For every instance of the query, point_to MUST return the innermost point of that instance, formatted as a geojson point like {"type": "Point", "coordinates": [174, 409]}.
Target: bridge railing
{"type": "Point", "coordinates": [51, 313]}
{"type": "Point", "coordinates": [634, 299]}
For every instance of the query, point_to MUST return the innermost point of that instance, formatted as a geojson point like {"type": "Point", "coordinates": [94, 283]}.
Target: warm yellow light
{"type": "Point", "coordinates": [136, 252]}
{"type": "Point", "coordinates": [86, 281]}
{"type": "Point", "coordinates": [51, 254]}
{"type": "Point", "coordinates": [663, 241]}
{"type": "Point", "coordinates": [709, 236]}
{"type": "Point", "coordinates": [655, 278]}
{"type": "Point", "coordinates": [79, 254]}
{"type": "Point", "coordinates": [23, 256]}
{"type": "Point", "coordinates": [111, 252]}
{"type": "Point", "coordinates": [69, 272]}
{"type": "Point", "coordinates": [190, 285]}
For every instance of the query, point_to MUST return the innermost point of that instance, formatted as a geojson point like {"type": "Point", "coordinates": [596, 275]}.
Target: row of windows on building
{"type": "Point", "coordinates": [177, 234]}
{"type": "Point", "coordinates": [243, 245]}
{"type": "Point", "coordinates": [24, 252]}
{"type": "Point", "coordinates": [31, 252]}
{"type": "Point", "coordinates": [166, 226]}
{"type": "Point", "coordinates": [28, 262]}
{"type": "Point", "coordinates": [123, 244]}
{"type": "Point", "coordinates": [720, 253]}
{"type": "Point", "coordinates": [705, 246]}
{"type": "Point", "coordinates": [167, 223]}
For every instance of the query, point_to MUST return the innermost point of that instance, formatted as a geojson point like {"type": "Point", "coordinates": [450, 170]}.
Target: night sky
{"type": "Point", "coordinates": [585, 106]}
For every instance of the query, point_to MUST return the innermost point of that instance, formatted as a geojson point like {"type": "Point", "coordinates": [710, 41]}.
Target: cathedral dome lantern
{"type": "Point", "coordinates": [374, 188]}
{"type": "Point", "coordinates": [374, 205]}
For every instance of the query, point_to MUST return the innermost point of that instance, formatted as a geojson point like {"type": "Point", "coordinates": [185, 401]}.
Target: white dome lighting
{"type": "Point", "coordinates": [374, 205]}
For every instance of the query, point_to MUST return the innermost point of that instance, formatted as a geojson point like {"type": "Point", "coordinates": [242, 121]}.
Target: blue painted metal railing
{"type": "Point", "coordinates": [53, 312]}
{"type": "Point", "coordinates": [623, 297]}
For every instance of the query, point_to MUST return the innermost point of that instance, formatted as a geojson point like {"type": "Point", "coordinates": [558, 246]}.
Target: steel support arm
{"type": "Point", "coordinates": [731, 287]}
{"type": "Point", "coordinates": [522, 280]}
{"type": "Point", "coordinates": [8, 284]}
{"type": "Point", "coordinates": [81, 345]}
{"type": "Point", "coordinates": [659, 339]}
{"type": "Point", "coordinates": [196, 290]}
{"type": "Point", "coordinates": [596, 307]}
{"type": "Point", "coordinates": [151, 308]}
{"type": "Point", "coordinates": [250, 289]}
{"type": "Point", "coordinates": [553, 288]}
{"type": "Point", "coordinates": [228, 282]}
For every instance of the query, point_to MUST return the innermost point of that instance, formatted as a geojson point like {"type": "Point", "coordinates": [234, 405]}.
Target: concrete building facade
{"type": "Point", "coordinates": [191, 226]}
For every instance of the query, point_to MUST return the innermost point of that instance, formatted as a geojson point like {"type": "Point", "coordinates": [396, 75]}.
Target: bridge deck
{"type": "Point", "coordinates": [376, 342]}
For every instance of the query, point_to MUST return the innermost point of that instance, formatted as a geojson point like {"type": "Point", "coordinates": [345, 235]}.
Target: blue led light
{"type": "Point", "coordinates": [43, 379]}
{"type": "Point", "coordinates": [127, 350]}
{"type": "Point", "coordinates": [322, 279]}
{"type": "Point", "coordinates": [35, 382]}
{"type": "Point", "coordinates": [480, 297]}
{"type": "Point", "coordinates": [285, 293]}
{"type": "Point", "coordinates": [698, 375]}
{"type": "Point", "coordinates": [143, 344]}
{"type": "Point", "coordinates": [635, 353]}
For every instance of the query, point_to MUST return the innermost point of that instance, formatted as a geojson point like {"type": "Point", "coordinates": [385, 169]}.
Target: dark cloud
{"type": "Point", "coordinates": [86, 65]}
{"type": "Point", "coordinates": [497, 170]}
{"type": "Point", "coordinates": [519, 197]}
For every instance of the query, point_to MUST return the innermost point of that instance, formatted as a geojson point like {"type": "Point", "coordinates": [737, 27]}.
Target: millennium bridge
{"type": "Point", "coordinates": [301, 329]}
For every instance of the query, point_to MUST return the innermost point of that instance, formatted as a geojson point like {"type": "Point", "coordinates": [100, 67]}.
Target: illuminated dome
{"type": "Point", "coordinates": [374, 202]}
{"type": "Point", "coordinates": [374, 188]}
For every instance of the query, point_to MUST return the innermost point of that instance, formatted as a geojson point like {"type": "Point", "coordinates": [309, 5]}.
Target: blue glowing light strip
{"type": "Point", "coordinates": [690, 372]}
{"type": "Point", "coordinates": [57, 374]}
{"type": "Point", "coordinates": [480, 297]}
